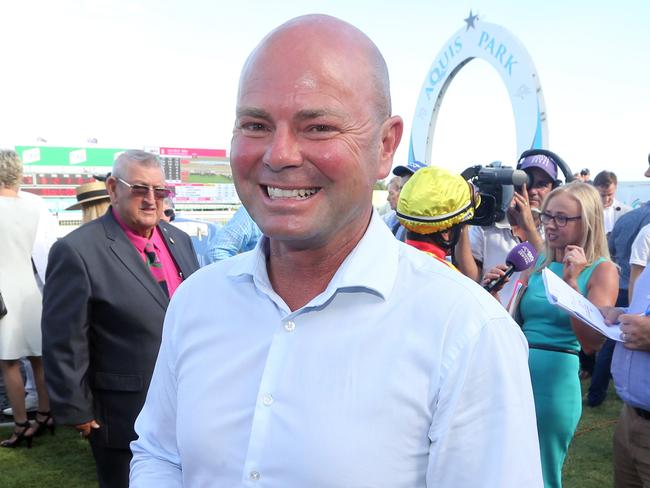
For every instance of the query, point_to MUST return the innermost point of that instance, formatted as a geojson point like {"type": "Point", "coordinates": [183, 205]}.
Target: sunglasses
{"type": "Point", "coordinates": [159, 192]}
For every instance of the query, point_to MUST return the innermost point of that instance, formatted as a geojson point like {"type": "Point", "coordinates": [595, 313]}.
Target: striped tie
{"type": "Point", "coordinates": [155, 266]}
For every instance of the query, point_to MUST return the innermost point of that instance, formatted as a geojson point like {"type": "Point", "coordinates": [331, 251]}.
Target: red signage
{"type": "Point", "coordinates": [52, 192]}
{"type": "Point", "coordinates": [192, 152]}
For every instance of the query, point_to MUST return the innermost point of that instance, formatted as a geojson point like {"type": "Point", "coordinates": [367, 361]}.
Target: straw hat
{"type": "Point", "coordinates": [434, 200]}
{"type": "Point", "coordinates": [89, 192]}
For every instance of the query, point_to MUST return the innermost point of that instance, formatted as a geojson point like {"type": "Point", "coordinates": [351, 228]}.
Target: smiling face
{"type": "Point", "coordinates": [309, 140]}
{"type": "Point", "coordinates": [572, 234]}
{"type": "Point", "coordinates": [140, 214]}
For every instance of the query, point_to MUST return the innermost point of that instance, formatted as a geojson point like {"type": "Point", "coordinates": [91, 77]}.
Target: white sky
{"type": "Point", "coordinates": [164, 73]}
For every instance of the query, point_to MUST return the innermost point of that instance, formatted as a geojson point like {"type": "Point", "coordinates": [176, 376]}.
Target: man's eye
{"type": "Point", "coordinates": [320, 128]}
{"type": "Point", "coordinates": [253, 126]}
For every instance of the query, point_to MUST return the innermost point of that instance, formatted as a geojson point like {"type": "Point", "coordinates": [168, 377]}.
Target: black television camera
{"type": "Point", "coordinates": [496, 185]}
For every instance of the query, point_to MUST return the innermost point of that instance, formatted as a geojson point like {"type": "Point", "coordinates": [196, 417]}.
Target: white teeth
{"type": "Point", "coordinates": [298, 194]}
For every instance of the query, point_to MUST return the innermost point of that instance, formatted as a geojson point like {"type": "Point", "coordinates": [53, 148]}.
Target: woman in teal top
{"type": "Point", "coordinates": [576, 250]}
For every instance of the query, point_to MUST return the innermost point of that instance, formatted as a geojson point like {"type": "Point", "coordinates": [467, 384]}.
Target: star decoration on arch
{"type": "Point", "coordinates": [470, 20]}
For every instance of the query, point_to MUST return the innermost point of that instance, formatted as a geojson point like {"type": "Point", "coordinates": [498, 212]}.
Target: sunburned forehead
{"type": "Point", "coordinates": [306, 62]}
{"type": "Point", "coordinates": [307, 80]}
{"type": "Point", "coordinates": [315, 34]}
{"type": "Point", "coordinates": [314, 49]}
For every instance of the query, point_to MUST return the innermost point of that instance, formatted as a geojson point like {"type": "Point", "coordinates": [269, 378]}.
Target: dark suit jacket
{"type": "Point", "coordinates": [102, 322]}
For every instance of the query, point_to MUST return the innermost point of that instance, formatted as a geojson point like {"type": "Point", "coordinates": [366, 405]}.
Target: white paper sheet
{"type": "Point", "coordinates": [562, 295]}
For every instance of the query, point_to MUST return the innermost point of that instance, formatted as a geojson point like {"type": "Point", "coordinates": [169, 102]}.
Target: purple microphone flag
{"type": "Point", "coordinates": [522, 256]}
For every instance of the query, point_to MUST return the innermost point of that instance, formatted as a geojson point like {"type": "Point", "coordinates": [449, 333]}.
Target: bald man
{"type": "Point", "coordinates": [303, 363]}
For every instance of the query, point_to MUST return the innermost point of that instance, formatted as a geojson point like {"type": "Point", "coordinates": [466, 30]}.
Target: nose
{"type": "Point", "coordinates": [283, 149]}
{"type": "Point", "coordinates": [552, 224]}
{"type": "Point", "coordinates": [150, 197]}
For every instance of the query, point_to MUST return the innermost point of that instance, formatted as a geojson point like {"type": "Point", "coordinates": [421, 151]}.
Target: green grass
{"type": "Point", "coordinates": [194, 178]}
{"type": "Point", "coordinates": [64, 460]}
{"type": "Point", "coordinates": [589, 461]}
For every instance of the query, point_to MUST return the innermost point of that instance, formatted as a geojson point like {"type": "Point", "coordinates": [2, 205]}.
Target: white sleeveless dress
{"type": "Point", "coordinates": [20, 329]}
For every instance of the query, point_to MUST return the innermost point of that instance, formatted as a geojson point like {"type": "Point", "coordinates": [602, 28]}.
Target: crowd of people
{"type": "Point", "coordinates": [571, 227]}
{"type": "Point", "coordinates": [323, 351]}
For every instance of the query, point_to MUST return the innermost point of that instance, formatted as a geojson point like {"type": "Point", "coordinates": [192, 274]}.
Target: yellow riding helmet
{"type": "Point", "coordinates": [433, 200]}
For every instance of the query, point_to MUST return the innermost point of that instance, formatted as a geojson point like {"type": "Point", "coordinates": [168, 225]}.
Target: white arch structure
{"type": "Point", "coordinates": [509, 57]}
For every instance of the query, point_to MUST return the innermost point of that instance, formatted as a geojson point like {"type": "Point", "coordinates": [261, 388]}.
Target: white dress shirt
{"type": "Point", "coordinates": [614, 212]}
{"type": "Point", "coordinates": [404, 374]}
{"type": "Point", "coordinates": [640, 250]}
{"type": "Point", "coordinates": [491, 245]}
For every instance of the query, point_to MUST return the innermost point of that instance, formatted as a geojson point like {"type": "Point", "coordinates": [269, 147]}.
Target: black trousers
{"type": "Point", "coordinates": [112, 464]}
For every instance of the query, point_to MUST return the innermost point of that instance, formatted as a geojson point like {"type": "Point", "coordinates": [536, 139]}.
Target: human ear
{"type": "Point", "coordinates": [390, 137]}
{"type": "Point", "coordinates": [111, 188]}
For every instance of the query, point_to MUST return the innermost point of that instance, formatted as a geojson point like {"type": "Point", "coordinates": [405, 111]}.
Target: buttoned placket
{"type": "Point", "coordinates": [253, 474]}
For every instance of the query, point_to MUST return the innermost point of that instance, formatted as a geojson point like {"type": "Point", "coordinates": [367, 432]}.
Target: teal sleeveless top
{"type": "Point", "coordinates": [546, 324]}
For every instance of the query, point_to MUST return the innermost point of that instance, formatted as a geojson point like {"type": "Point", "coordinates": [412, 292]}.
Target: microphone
{"type": "Point", "coordinates": [520, 258]}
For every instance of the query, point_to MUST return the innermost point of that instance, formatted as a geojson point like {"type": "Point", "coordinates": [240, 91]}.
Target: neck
{"type": "Point", "coordinates": [298, 275]}
{"type": "Point", "coordinates": [146, 233]}
{"type": "Point", "coordinates": [8, 191]}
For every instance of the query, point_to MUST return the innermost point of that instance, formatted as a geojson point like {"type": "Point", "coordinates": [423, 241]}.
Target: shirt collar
{"type": "Point", "coordinates": [371, 266]}
{"type": "Point", "coordinates": [503, 224]}
{"type": "Point", "coordinates": [138, 241]}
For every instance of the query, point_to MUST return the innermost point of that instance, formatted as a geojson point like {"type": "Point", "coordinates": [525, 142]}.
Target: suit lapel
{"type": "Point", "coordinates": [128, 255]}
{"type": "Point", "coordinates": [176, 251]}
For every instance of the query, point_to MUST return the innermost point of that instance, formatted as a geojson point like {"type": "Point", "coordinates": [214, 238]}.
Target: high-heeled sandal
{"type": "Point", "coordinates": [42, 425]}
{"type": "Point", "coordinates": [19, 436]}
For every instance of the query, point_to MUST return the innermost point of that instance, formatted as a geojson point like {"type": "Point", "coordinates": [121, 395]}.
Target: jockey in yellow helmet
{"type": "Point", "coordinates": [433, 206]}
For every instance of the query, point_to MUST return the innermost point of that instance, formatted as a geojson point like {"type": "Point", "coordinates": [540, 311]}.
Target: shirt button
{"type": "Point", "coordinates": [290, 326]}
{"type": "Point", "coordinates": [254, 475]}
{"type": "Point", "coordinates": [267, 400]}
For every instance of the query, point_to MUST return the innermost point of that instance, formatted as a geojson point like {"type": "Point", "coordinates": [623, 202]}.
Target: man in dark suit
{"type": "Point", "coordinates": [107, 288]}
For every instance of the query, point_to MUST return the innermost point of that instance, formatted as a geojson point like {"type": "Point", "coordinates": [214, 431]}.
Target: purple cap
{"type": "Point", "coordinates": [409, 169]}
{"type": "Point", "coordinates": [542, 162]}
{"type": "Point", "coordinates": [522, 256]}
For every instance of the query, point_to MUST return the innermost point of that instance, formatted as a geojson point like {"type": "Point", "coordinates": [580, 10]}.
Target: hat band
{"type": "Point", "coordinates": [91, 194]}
{"type": "Point", "coordinates": [437, 218]}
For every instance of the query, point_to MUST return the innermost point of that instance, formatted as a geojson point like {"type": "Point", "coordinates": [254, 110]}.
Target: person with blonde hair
{"type": "Point", "coordinates": [92, 199]}
{"type": "Point", "coordinates": [576, 250]}
{"type": "Point", "coordinates": [20, 328]}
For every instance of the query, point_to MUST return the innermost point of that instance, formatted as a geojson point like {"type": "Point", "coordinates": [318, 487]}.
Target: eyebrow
{"type": "Point", "coordinates": [302, 115]}
{"type": "Point", "coordinates": [315, 113]}
{"type": "Point", "coordinates": [254, 112]}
